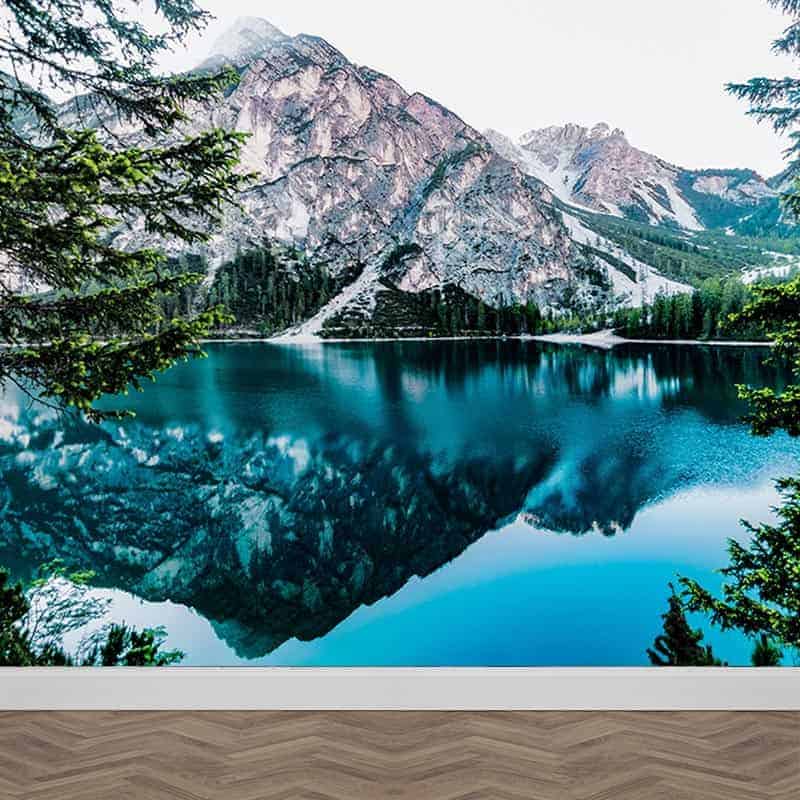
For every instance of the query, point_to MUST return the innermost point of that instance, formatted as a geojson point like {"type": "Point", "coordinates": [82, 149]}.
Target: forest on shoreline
{"type": "Point", "coordinates": [269, 292]}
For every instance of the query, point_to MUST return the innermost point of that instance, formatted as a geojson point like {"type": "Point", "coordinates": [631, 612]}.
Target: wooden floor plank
{"type": "Point", "coordinates": [424, 756]}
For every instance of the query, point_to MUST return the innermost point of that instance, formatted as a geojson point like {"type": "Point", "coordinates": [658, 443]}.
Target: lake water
{"type": "Point", "coordinates": [417, 503]}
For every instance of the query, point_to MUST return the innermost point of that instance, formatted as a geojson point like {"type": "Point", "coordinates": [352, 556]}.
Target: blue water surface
{"type": "Point", "coordinates": [478, 503]}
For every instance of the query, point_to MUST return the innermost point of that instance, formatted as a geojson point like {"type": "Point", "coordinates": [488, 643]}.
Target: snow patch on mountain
{"type": "Point", "coordinates": [682, 212]}
{"type": "Point", "coordinates": [351, 167]}
{"type": "Point", "coordinates": [556, 173]}
{"type": "Point", "coordinates": [360, 295]}
{"type": "Point", "coordinates": [783, 267]}
{"type": "Point", "coordinates": [634, 293]}
{"type": "Point", "coordinates": [363, 178]}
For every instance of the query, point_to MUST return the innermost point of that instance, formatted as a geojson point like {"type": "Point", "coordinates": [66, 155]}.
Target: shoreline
{"type": "Point", "coordinates": [608, 339]}
{"type": "Point", "coordinates": [604, 340]}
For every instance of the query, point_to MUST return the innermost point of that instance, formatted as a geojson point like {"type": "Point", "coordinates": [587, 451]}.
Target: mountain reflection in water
{"type": "Point", "coordinates": [277, 489]}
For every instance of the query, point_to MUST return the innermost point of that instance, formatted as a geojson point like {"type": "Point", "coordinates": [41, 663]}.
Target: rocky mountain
{"type": "Point", "coordinates": [388, 191]}
{"type": "Point", "coordinates": [415, 222]}
{"type": "Point", "coordinates": [246, 40]}
{"type": "Point", "coordinates": [600, 170]}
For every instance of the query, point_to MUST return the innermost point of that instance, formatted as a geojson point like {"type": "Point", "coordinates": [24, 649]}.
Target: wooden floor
{"type": "Point", "coordinates": [425, 756]}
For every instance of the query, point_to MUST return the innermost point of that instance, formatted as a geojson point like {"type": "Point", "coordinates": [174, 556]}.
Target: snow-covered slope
{"type": "Point", "coordinates": [784, 266]}
{"type": "Point", "coordinates": [634, 282]}
{"type": "Point", "coordinates": [600, 170]}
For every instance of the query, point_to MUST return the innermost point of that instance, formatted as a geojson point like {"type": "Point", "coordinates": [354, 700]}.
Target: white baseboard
{"type": "Point", "coordinates": [400, 689]}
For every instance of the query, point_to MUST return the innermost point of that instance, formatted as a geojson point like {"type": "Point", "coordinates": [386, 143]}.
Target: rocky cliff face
{"type": "Point", "coordinates": [367, 179]}
{"type": "Point", "coordinates": [389, 192]}
{"type": "Point", "coordinates": [599, 169]}
{"type": "Point", "coordinates": [351, 167]}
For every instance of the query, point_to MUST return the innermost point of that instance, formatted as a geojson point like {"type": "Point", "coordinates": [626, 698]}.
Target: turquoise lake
{"type": "Point", "coordinates": [485, 503]}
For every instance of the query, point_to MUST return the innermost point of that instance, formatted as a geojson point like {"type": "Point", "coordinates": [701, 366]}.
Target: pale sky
{"type": "Point", "coordinates": [655, 69]}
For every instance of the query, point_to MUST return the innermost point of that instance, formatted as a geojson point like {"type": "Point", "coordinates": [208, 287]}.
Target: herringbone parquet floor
{"type": "Point", "coordinates": [424, 756]}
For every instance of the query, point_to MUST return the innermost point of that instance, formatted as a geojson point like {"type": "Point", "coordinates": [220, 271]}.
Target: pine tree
{"type": "Point", "coordinates": [66, 182]}
{"type": "Point", "coordinates": [709, 327]}
{"type": "Point", "coordinates": [685, 312]}
{"type": "Point", "coordinates": [777, 308]}
{"type": "Point", "coordinates": [34, 624]}
{"type": "Point", "coordinates": [766, 654]}
{"type": "Point", "coordinates": [515, 319]}
{"type": "Point", "coordinates": [761, 593]}
{"type": "Point", "coordinates": [533, 318]}
{"type": "Point", "coordinates": [441, 312]}
{"type": "Point", "coordinates": [696, 327]}
{"type": "Point", "coordinates": [283, 310]}
{"type": "Point", "coordinates": [15, 648]}
{"type": "Point", "coordinates": [481, 316]}
{"type": "Point", "coordinates": [680, 645]}
{"type": "Point", "coordinates": [126, 647]}
{"type": "Point", "coordinates": [659, 325]}
{"type": "Point", "coordinates": [775, 100]}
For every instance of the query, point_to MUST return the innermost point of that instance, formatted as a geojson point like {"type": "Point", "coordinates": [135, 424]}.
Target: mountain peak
{"type": "Point", "coordinates": [603, 131]}
{"type": "Point", "coordinates": [570, 132]}
{"type": "Point", "coordinates": [598, 168]}
{"type": "Point", "coordinates": [245, 40]}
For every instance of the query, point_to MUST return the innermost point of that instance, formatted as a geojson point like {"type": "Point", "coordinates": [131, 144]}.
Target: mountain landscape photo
{"type": "Point", "coordinates": [468, 384]}
{"type": "Point", "coordinates": [401, 206]}
{"type": "Point", "coordinates": [395, 197]}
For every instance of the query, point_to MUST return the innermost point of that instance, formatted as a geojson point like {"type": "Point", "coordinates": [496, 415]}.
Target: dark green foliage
{"type": "Point", "coordinates": [270, 290]}
{"type": "Point", "coordinates": [33, 625]}
{"type": "Point", "coordinates": [638, 211]}
{"type": "Point", "coordinates": [706, 314]}
{"type": "Point", "coordinates": [688, 257]}
{"type": "Point", "coordinates": [127, 647]}
{"type": "Point", "coordinates": [617, 263]}
{"type": "Point", "coordinates": [776, 308]}
{"type": "Point", "coordinates": [448, 311]}
{"type": "Point", "coordinates": [767, 220]}
{"type": "Point", "coordinates": [680, 644]}
{"type": "Point", "coordinates": [14, 647]}
{"type": "Point", "coordinates": [67, 182]}
{"type": "Point", "coordinates": [761, 594]}
{"type": "Point", "coordinates": [775, 100]}
{"type": "Point", "coordinates": [766, 654]}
